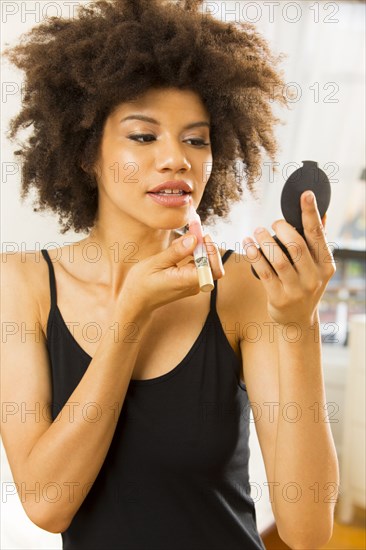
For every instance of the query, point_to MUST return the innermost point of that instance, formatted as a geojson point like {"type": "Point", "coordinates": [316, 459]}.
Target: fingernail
{"type": "Point", "coordinates": [259, 230]}
{"type": "Point", "coordinates": [309, 197]}
{"type": "Point", "coordinates": [188, 241]}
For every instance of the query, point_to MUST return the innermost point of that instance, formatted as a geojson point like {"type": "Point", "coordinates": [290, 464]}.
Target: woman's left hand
{"type": "Point", "coordinates": [293, 293]}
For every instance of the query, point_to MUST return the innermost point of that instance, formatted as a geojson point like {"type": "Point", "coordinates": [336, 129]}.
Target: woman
{"type": "Point", "coordinates": [147, 379]}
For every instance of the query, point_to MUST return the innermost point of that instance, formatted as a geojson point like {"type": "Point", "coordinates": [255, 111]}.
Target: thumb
{"type": "Point", "coordinates": [178, 250]}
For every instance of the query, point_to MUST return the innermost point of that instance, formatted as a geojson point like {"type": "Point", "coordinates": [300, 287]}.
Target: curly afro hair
{"type": "Point", "coordinates": [78, 70]}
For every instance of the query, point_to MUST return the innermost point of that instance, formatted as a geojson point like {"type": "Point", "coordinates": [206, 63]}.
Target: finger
{"type": "Point", "coordinates": [214, 257]}
{"type": "Point", "coordinates": [261, 265]}
{"type": "Point", "coordinates": [180, 238]}
{"type": "Point", "coordinates": [315, 234]}
{"type": "Point", "coordinates": [282, 266]}
{"type": "Point", "coordinates": [177, 251]}
{"type": "Point", "coordinates": [303, 263]}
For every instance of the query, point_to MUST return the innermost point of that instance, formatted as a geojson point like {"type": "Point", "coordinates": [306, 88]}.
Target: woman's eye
{"type": "Point", "coordinates": [138, 137]}
{"type": "Point", "coordinates": [146, 138]}
{"type": "Point", "coordinates": [198, 142]}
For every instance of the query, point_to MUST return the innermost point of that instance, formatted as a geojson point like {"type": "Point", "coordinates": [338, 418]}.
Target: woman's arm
{"type": "Point", "coordinates": [283, 372]}
{"type": "Point", "coordinates": [68, 452]}
{"type": "Point", "coordinates": [306, 466]}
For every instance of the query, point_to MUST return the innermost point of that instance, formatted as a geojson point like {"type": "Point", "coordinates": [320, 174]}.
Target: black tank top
{"type": "Point", "coordinates": [176, 473]}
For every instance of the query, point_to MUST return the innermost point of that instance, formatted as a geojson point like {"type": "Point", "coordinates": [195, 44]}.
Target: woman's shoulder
{"type": "Point", "coordinates": [18, 264]}
{"type": "Point", "coordinates": [238, 266]}
{"type": "Point", "coordinates": [241, 292]}
{"type": "Point", "coordinates": [23, 263]}
{"type": "Point", "coordinates": [23, 274]}
{"type": "Point", "coordinates": [20, 284]}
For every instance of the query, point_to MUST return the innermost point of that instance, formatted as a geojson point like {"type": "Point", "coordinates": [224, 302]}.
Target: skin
{"type": "Point", "coordinates": [126, 214]}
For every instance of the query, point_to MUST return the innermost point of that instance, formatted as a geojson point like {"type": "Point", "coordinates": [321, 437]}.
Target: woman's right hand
{"type": "Point", "coordinates": [158, 280]}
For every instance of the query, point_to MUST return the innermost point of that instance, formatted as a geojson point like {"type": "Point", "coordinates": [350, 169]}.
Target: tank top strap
{"type": "Point", "coordinates": [226, 255]}
{"type": "Point", "coordinates": [51, 277]}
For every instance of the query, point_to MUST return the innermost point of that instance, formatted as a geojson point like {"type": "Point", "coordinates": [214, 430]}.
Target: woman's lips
{"type": "Point", "coordinates": [171, 200]}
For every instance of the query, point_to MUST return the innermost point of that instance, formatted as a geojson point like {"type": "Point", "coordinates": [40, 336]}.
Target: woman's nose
{"type": "Point", "coordinates": [172, 156]}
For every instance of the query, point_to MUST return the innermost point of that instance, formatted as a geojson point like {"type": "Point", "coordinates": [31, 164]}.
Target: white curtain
{"type": "Point", "coordinates": [325, 45]}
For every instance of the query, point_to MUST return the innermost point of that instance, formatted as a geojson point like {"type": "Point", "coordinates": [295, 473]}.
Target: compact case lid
{"type": "Point", "coordinates": [308, 177]}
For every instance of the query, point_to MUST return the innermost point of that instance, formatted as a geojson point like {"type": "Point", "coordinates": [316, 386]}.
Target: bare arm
{"type": "Point", "coordinates": [68, 452]}
{"type": "Point", "coordinates": [284, 380]}
{"type": "Point", "coordinates": [306, 459]}
{"type": "Point", "coordinates": [303, 454]}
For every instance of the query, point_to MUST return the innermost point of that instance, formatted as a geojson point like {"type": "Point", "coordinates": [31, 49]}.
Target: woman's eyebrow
{"type": "Point", "coordinates": [153, 121]}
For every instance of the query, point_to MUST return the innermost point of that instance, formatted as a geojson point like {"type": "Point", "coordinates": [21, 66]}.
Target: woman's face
{"type": "Point", "coordinates": [162, 136]}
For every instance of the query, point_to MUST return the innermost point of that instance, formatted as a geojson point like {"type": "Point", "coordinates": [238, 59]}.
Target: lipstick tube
{"type": "Point", "coordinates": [200, 254]}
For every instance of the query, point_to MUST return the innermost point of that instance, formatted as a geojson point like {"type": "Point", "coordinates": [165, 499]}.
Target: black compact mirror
{"type": "Point", "coordinates": [308, 177]}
